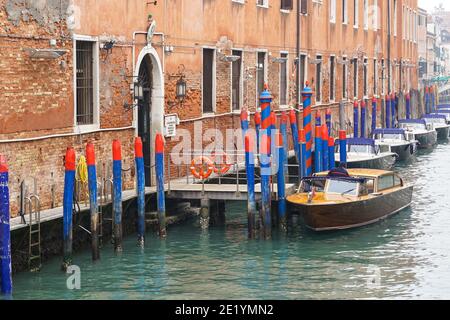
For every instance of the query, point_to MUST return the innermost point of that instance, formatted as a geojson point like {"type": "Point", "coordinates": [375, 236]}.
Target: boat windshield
{"type": "Point", "coordinates": [342, 187]}
{"type": "Point", "coordinates": [418, 126]}
{"type": "Point", "coordinates": [307, 185]}
{"type": "Point", "coordinates": [390, 136]}
{"type": "Point", "coordinates": [435, 120]}
{"type": "Point", "coordinates": [361, 149]}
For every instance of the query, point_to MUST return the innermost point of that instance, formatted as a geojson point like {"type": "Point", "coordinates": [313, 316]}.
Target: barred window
{"type": "Point", "coordinates": [85, 82]}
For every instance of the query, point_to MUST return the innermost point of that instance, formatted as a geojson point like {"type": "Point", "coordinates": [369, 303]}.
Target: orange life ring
{"type": "Point", "coordinates": [224, 167]}
{"type": "Point", "coordinates": [197, 167]}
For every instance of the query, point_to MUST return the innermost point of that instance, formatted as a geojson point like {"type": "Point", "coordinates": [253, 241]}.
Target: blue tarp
{"type": "Point", "coordinates": [435, 116]}
{"type": "Point", "coordinates": [388, 131]}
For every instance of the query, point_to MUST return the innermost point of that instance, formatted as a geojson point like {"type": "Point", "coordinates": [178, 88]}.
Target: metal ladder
{"type": "Point", "coordinates": [33, 208]}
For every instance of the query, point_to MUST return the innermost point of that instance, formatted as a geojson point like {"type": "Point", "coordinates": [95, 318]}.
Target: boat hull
{"type": "Point", "coordinates": [427, 140]}
{"type": "Point", "coordinates": [355, 214]}
{"type": "Point", "coordinates": [381, 163]}
{"type": "Point", "coordinates": [443, 133]}
{"type": "Point", "coordinates": [404, 151]}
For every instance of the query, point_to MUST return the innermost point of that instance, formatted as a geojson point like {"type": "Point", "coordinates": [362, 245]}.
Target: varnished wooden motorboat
{"type": "Point", "coordinates": [336, 202]}
{"type": "Point", "coordinates": [399, 141]}
{"type": "Point", "coordinates": [423, 133]}
{"type": "Point", "coordinates": [439, 123]}
{"type": "Point", "coordinates": [364, 153]}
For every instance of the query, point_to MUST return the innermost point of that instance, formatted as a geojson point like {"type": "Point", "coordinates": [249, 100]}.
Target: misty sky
{"type": "Point", "coordinates": [430, 4]}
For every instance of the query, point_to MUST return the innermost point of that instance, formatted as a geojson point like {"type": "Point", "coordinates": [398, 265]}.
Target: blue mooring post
{"type": "Point", "coordinates": [250, 170]}
{"type": "Point", "coordinates": [394, 102]}
{"type": "Point", "coordinates": [388, 111]}
{"type": "Point", "coordinates": [266, 171]}
{"type": "Point", "coordinates": [5, 230]}
{"type": "Point", "coordinates": [318, 150]}
{"type": "Point", "coordinates": [302, 165]}
{"type": "Point", "coordinates": [374, 114]}
{"type": "Point", "coordinates": [140, 189]}
{"type": "Point", "coordinates": [408, 106]}
{"type": "Point", "coordinates": [159, 159]}
{"type": "Point", "coordinates": [355, 119]}
{"type": "Point", "coordinates": [331, 157]}
{"type": "Point", "coordinates": [294, 131]}
{"type": "Point", "coordinates": [325, 162]}
{"type": "Point", "coordinates": [427, 100]}
{"type": "Point", "coordinates": [342, 146]}
{"type": "Point", "coordinates": [328, 121]}
{"type": "Point", "coordinates": [363, 118]}
{"type": "Point", "coordinates": [281, 185]}
{"type": "Point", "coordinates": [92, 179]}
{"type": "Point", "coordinates": [433, 100]}
{"type": "Point", "coordinates": [117, 205]}
{"type": "Point", "coordinates": [69, 184]}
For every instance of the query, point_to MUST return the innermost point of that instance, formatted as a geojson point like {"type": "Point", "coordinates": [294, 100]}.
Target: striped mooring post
{"type": "Point", "coordinates": [355, 119]}
{"type": "Point", "coordinates": [281, 183]}
{"type": "Point", "coordinates": [318, 118]}
{"type": "Point", "coordinates": [408, 106]}
{"type": "Point", "coordinates": [294, 131]}
{"type": "Point", "coordinates": [394, 103]}
{"type": "Point", "coordinates": [257, 128]}
{"type": "Point", "coordinates": [387, 114]}
{"type": "Point", "coordinates": [265, 152]}
{"type": "Point", "coordinates": [117, 186]}
{"type": "Point", "coordinates": [161, 201]}
{"type": "Point", "coordinates": [283, 131]}
{"type": "Point", "coordinates": [140, 189]}
{"type": "Point", "coordinates": [374, 114]}
{"type": "Point", "coordinates": [69, 185]}
{"type": "Point", "coordinates": [325, 162]}
{"type": "Point", "coordinates": [307, 126]}
{"type": "Point", "coordinates": [318, 150]}
{"type": "Point", "coordinates": [92, 181]}
{"type": "Point", "coordinates": [244, 123]}
{"type": "Point", "coordinates": [5, 230]}
{"type": "Point", "coordinates": [251, 199]}
{"type": "Point", "coordinates": [342, 146]}
{"type": "Point", "coordinates": [331, 157]}
{"type": "Point", "coordinates": [363, 118]}
{"type": "Point", "coordinates": [302, 141]}
{"type": "Point", "coordinates": [328, 120]}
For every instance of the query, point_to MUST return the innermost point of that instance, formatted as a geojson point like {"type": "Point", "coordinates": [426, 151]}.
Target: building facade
{"type": "Point", "coordinates": [69, 69]}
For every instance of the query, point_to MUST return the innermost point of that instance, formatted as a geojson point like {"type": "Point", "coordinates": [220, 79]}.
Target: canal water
{"type": "Point", "coordinates": [406, 256]}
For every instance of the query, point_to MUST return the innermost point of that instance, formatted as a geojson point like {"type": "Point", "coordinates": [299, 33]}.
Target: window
{"type": "Point", "coordinates": [284, 80]}
{"type": "Point", "coordinates": [304, 7]}
{"type": "Point", "coordinates": [333, 11]}
{"type": "Point", "coordinates": [319, 79]}
{"type": "Point", "coordinates": [262, 3]}
{"type": "Point", "coordinates": [383, 83]}
{"type": "Point", "coordinates": [395, 18]}
{"type": "Point", "coordinates": [261, 72]}
{"type": "Point", "coordinates": [332, 78]}
{"type": "Point", "coordinates": [286, 5]}
{"type": "Point", "coordinates": [355, 13]}
{"type": "Point", "coordinates": [385, 182]}
{"type": "Point", "coordinates": [365, 77]}
{"type": "Point", "coordinates": [375, 77]}
{"type": "Point", "coordinates": [366, 14]}
{"type": "Point", "coordinates": [302, 71]}
{"type": "Point", "coordinates": [344, 12]}
{"type": "Point", "coordinates": [208, 80]}
{"type": "Point", "coordinates": [86, 82]}
{"type": "Point", "coordinates": [355, 77]}
{"type": "Point", "coordinates": [344, 78]}
{"type": "Point", "coordinates": [236, 81]}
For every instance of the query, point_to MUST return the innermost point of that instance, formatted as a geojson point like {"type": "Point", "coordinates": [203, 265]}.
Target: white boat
{"type": "Point", "coordinates": [399, 141]}
{"type": "Point", "coordinates": [423, 132]}
{"type": "Point", "coordinates": [439, 123]}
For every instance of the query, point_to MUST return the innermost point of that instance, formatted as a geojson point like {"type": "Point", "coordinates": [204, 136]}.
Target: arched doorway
{"type": "Point", "coordinates": [149, 115]}
{"type": "Point", "coordinates": [144, 115]}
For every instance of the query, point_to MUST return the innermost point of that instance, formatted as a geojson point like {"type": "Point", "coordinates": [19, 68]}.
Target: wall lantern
{"type": "Point", "coordinates": [138, 90]}
{"type": "Point", "coordinates": [181, 89]}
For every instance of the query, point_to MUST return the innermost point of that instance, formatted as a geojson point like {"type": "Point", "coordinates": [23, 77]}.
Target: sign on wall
{"type": "Point", "coordinates": [170, 125]}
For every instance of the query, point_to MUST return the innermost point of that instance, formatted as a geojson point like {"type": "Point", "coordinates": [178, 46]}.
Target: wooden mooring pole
{"type": "Point", "coordinates": [117, 205]}
{"type": "Point", "coordinates": [5, 230]}
{"type": "Point", "coordinates": [69, 184]}
{"type": "Point", "coordinates": [92, 180]}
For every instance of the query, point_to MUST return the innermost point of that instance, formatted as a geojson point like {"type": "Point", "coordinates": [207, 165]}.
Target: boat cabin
{"type": "Point", "coordinates": [435, 119]}
{"type": "Point", "coordinates": [361, 145]}
{"type": "Point", "coordinates": [392, 134]}
{"type": "Point", "coordinates": [359, 183]}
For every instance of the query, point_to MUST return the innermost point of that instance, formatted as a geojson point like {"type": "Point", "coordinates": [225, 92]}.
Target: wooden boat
{"type": "Point", "coordinates": [439, 123]}
{"type": "Point", "coordinates": [332, 202]}
{"type": "Point", "coordinates": [422, 132]}
{"type": "Point", "coordinates": [398, 140]}
{"type": "Point", "coordinates": [364, 153]}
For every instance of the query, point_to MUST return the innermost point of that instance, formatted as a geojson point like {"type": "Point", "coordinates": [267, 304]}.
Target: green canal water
{"type": "Point", "coordinates": [406, 256]}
